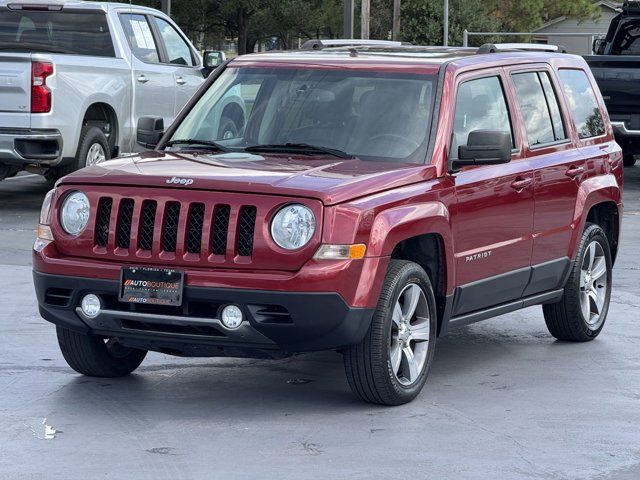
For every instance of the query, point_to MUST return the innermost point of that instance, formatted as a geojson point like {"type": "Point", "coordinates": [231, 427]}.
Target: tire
{"type": "Point", "coordinates": [92, 140]}
{"type": "Point", "coordinates": [96, 357]}
{"type": "Point", "coordinates": [629, 160]}
{"type": "Point", "coordinates": [228, 129]}
{"type": "Point", "coordinates": [370, 369]}
{"type": "Point", "coordinates": [567, 319]}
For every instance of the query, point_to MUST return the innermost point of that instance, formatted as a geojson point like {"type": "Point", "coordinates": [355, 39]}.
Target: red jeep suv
{"type": "Point", "coordinates": [371, 198]}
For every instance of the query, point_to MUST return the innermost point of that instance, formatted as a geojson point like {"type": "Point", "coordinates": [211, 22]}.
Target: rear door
{"type": "Point", "coordinates": [493, 216]}
{"type": "Point", "coordinates": [153, 81]}
{"type": "Point", "coordinates": [15, 90]}
{"type": "Point", "coordinates": [559, 170]}
{"type": "Point", "coordinates": [183, 61]}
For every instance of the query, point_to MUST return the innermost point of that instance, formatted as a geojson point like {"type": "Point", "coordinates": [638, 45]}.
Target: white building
{"type": "Point", "coordinates": [580, 45]}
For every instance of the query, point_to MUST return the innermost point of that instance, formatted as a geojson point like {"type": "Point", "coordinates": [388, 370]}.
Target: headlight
{"type": "Point", "coordinates": [75, 213]}
{"type": "Point", "coordinates": [293, 226]}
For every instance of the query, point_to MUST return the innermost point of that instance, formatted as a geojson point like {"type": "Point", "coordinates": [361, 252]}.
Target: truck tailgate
{"type": "Point", "coordinates": [618, 77]}
{"type": "Point", "coordinates": [15, 90]}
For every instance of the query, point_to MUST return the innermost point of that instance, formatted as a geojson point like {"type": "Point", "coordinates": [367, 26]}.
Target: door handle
{"type": "Point", "coordinates": [520, 184]}
{"type": "Point", "coordinates": [574, 172]}
{"type": "Point", "coordinates": [143, 78]}
{"type": "Point", "coordinates": [180, 81]}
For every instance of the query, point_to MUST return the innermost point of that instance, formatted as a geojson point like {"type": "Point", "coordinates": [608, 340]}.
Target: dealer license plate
{"type": "Point", "coordinates": [151, 286]}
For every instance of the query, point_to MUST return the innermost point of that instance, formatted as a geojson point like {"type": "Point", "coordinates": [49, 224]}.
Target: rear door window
{"type": "Point", "coordinates": [140, 37]}
{"type": "Point", "coordinates": [582, 103]}
{"type": "Point", "coordinates": [480, 105]}
{"type": "Point", "coordinates": [539, 108]}
{"type": "Point", "coordinates": [74, 33]}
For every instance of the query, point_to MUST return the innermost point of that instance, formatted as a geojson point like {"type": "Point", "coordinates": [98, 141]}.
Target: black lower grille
{"type": "Point", "coordinates": [170, 232]}
{"type": "Point", "coordinates": [220, 230]}
{"type": "Point", "coordinates": [246, 227]}
{"type": "Point", "coordinates": [103, 217]}
{"type": "Point", "coordinates": [149, 326]}
{"type": "Point", "coordinates": [125, 215]}
{"type": "Point", "coordinates": [194, 228]}
{"type": "Point", "coordinates": [147, 224]}
{"type": "Point", "coordinates": [59, 297]}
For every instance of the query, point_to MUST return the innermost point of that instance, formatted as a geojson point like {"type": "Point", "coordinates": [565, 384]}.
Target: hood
{"type": "Point", "coordinates": [328, 179]}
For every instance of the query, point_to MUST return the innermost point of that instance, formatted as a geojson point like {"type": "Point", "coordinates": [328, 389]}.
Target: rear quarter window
{"type": "Point", "coordinates": [75, 33]}
{"type": "Point", "coordinates": [582, 103]}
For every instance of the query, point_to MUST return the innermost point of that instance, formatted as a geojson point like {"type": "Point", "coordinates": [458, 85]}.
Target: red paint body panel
{"type": "Point", "coordinates": [471, 211]}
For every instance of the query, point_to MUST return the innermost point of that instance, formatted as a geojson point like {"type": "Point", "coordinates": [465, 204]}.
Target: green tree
{"type": "Point", "coordinates": [422, 20]}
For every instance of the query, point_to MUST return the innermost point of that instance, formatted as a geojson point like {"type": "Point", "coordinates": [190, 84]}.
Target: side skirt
{"type": "Point", "coordinates": [477, 316]}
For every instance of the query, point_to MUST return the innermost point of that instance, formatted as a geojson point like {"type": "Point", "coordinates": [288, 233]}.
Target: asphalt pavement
{"type": "Point", "coordinates": [504, 399]}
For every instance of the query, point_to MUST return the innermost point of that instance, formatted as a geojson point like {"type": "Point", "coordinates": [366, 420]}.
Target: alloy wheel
{"type": "Point", "coordinates": [95, 155]}
{"type": "Point", "coordinates": [593, 285]}
{"type": "Point", "coordinates": [410, 331]}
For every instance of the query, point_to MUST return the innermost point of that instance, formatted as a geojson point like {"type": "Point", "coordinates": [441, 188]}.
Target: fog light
{"type": "Point", "coordinates": [91, 305]}
{"type": "Point", "coordinates": [231, 317]}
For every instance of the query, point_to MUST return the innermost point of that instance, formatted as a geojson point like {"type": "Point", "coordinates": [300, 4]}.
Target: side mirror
{"type": "Point", "coordinates": [212, 59]}
{"type": "Point", "coordinates": [484, 147]}
{"type": "Point", "coordinates": [149, 131]}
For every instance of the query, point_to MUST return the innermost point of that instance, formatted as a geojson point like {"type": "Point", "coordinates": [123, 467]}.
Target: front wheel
{"type": "Point", "coordinates": [97, 356]}
{"type": "Point", "coordinates": [580, 315]}
{"type": "Point", "coordinates": [391, 364]}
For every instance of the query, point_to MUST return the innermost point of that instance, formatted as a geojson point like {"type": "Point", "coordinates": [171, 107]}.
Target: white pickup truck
{"type": "Point", "coordinates": [76, 76]}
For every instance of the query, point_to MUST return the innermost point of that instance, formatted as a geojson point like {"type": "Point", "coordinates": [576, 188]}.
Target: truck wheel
{"type": "Point", "coordinates": [580, 315]}
{"type": "Point", "coordinates": [228, 129]}
{"type": "Point", "coordinates": [93, 149]}
{"type": "Point", "coordinates": [629, 160]}
{"type": "Point", "coordinates": [391, 364]}
{"type": "Point", "coordinates": [96, 356]}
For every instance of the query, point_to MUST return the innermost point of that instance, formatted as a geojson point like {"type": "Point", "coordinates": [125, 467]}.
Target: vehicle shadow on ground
{"type": "Point", "coordinates": [296, 385]}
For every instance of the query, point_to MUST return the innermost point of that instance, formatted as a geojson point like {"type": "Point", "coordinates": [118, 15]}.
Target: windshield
{"type": "Point", "coordinates": [369, 115]}
{"type": "Point", "coordinates": [59, 32]}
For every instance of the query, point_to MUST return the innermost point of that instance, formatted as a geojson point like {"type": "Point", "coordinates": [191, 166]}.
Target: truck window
{"type": "Point", "coordinates": [582, 103]}
{"type": "Point", "coordinates": [536, 106]}
{"type": "Point", "coordinates": [177, 49]}
{"type": "Point", "coordinates": [74, 33]}
{"type": "Point", "coordinates": [480, 105]}
{"type": "Point", "coordinates": [140, 37]}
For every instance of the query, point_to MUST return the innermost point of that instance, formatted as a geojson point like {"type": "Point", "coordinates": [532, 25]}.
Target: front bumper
{"type": "Point", "coordinates": [30, 147]}
{"type": "Point", "coordinates": [278, 322]}
{"type": "Point", "coordinates": [627, 138]}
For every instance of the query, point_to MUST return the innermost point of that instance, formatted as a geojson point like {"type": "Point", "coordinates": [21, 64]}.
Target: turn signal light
{"type": "Point", "coordinates": [341, 252]}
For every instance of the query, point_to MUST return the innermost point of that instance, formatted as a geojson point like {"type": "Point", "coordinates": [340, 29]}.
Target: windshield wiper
{"type": "Point", "coordinates": [200, 143]}
{"type": "Point", "coordinates": [299, 148]}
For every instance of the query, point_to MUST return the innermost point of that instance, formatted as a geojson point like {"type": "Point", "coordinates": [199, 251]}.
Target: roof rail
{"type": "Point", "coordinates": [520, 47]}
{"type": "Point", "coordinates": [347, 42]}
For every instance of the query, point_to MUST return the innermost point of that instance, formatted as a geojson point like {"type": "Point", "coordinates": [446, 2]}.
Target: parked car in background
{"type": "Point", "coordinates": [616, 68]}
{"type": "Point", "coordinates": [75, 77]}
{"type": "Point", "coordinates": [378, 196]}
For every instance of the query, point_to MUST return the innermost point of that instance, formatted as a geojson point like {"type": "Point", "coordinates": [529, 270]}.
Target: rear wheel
{"type": "Point", "coordinates": [629, 160]}
{"type": "Point", "coordinates": [391, 364]}
{"type": "Point", "coordinates": [98, 356]}
{"type": "Point", "coordinates": [93, 149]}
{"type": "Point", "coordinates": [580, 315]}
{"type": "Point", "coordinates": [228, 129]}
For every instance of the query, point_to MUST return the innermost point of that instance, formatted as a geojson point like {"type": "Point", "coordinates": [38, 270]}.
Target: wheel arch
{"type": "Point", "coordinates": [234, 111]}
{"type": "Point", "coordinates": [606, 215]}
{"type": "Point", "coordinates": [99, 112]}
{"type": "Point", "coordinates": [599, 201]}
{"type": "Point", "coordinates": [420, 233]}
